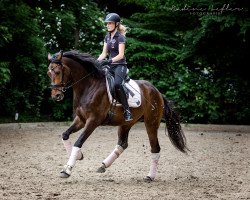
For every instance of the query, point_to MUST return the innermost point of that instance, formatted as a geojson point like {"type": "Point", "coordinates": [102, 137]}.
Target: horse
{"type": "Point", "coordinates": [91, 107]}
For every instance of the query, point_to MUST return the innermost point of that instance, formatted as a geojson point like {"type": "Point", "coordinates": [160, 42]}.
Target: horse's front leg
{"type": "Point", "coordinates": [89, 127]}
{"type": "Point", "coordinates": [76, 125]}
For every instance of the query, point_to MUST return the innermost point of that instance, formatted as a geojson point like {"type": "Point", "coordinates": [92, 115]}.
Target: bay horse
{"type": "Point", "coordinates": [91, 106]}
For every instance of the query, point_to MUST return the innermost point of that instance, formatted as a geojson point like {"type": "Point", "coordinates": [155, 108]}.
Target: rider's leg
{"type": "Point", "coordinates": [120, 73]}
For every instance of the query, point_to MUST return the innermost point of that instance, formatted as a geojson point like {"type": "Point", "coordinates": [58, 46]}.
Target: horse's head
{"type": "Point", "coordinates": [59, 75]}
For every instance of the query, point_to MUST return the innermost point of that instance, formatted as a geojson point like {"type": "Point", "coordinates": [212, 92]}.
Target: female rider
{"type": "Point", "coordinates": [114, 47]}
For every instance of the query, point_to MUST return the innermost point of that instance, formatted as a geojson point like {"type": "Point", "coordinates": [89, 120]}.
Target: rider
{"type": "Point", "coordinates": [114, 46]}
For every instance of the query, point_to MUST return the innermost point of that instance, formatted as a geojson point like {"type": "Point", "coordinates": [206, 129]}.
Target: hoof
{"type": "Point", "coordinates": [64, 175]}
{"type": "Point", "coordinates": [101, 169]}
{"type": "Point", "coordinates": [148, 179]}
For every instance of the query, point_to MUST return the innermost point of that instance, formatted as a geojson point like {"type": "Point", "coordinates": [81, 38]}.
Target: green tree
{"type": "Point", "coordinates": [5, 37]}
{"type": "Point", "coordinates": [31, 29]}
{"type": "Point", "coordinates": [71, 25]}
{"type": "Point", "coordinates": [196, 54]}
{"type": "Point", "coordinates": [219, 45]}
{"type": "Point", "coordinates": [22, 59]}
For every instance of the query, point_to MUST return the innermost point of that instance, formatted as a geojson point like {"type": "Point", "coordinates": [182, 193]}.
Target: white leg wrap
{"type": "Point", "coordinates": [153, 167]}
{"type": "Point", "coordinates": [113, 156]}
{"type": "Point", "coordinates": [68, 146]}
{"type": "Point", "coordinates": [73, 156]}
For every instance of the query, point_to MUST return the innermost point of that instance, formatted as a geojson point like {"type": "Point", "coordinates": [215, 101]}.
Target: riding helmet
{"type": "Point", "coordinates": [112, 17]}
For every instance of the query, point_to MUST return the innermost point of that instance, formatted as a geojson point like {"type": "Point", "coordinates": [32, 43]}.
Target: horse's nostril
{"type": "Point", "coordinates": [58, 96]}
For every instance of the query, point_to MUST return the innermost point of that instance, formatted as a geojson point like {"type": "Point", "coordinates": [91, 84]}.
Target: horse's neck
{"type": "Point", "coordinates": [84, 84]}
{"type": "Point", "coordinates": [85, 92]}
{"type": "Point", "coordinates": [87, 85]}
{"type": "Point", "coordinates": [81, 79]}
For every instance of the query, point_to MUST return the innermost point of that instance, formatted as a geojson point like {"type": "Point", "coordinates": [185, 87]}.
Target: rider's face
{"type": "Point", "coordinates": [110, 26]}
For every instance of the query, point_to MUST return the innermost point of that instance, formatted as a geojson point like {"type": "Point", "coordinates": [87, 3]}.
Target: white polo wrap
{"type": "Point", "coordinates": [113, 156]}
{"type": "Point", "coordinates": [73, 156]}
{"type": "Point", "coordinates": [153, 167]}
{"type": "Point", "coordinates": [68, 146]}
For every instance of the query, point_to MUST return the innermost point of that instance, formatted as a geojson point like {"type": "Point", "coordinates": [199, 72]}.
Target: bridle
{"type": "Point", "coordinates": [62, 86]}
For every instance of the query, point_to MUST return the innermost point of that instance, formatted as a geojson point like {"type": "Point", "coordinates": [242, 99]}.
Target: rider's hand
{"type": "Point", "coordinates": [106, 62]}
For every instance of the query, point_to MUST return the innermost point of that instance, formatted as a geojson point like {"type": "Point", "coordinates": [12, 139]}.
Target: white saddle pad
{"type": "Point", "coordinates": [134, 99]}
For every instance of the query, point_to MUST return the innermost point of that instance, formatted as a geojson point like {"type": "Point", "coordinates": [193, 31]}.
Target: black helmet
{"type": "Point", "coordinates": [112, 17]}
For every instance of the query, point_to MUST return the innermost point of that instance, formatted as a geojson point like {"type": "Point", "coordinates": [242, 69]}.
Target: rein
{"type": "Point", "coordinates": [65, 88]}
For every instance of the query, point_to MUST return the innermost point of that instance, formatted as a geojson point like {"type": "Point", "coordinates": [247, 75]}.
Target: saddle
{"type": "Point", "coordinates": [131, 88]}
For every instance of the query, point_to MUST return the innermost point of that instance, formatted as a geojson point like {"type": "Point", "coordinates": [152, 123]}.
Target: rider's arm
{"type": "Point", "coordinates": [104, 52]}
{"type": "Point", "coordinates": [121, 53]}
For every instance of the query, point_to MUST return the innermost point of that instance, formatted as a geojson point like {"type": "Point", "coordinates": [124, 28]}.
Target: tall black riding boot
{"type": "Point", "coordinates": [122, 98]}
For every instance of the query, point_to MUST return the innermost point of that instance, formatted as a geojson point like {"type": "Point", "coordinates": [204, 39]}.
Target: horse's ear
{"type": "Point", "coordinates": [60, 55]}
{"type": "Point", "coordinates": [49, 57]}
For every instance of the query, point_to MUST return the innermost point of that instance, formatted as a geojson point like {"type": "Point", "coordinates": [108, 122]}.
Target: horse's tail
{"type": "Point", "coordinates": [173, 126]}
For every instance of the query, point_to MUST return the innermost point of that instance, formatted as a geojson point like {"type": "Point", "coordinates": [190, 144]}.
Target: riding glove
{"type": "Point", "coordinates": [106, 62]}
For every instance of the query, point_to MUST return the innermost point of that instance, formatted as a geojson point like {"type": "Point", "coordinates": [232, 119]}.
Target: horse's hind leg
{"type": "Point", "coordinates": [122, 144]}
{"type": "Point", "coordinates": [152, 131]}
{"type": "Point", "coordinates": [76, 125]}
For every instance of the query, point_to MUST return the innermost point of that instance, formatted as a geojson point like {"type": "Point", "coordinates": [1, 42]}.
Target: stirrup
{"type": "Point", "coordinates": [128, 115]}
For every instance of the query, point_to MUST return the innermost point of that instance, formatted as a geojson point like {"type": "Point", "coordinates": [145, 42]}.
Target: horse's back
{"type": "Point", "coordinates": [150, 92]}
{"type": "Point", "coordinates": [146, 86]}
{"type": "Point", "coordinates": [152, 104]}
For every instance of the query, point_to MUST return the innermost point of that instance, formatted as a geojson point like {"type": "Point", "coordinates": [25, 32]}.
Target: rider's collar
{"type": "Point", "coordinates": [115, 35]}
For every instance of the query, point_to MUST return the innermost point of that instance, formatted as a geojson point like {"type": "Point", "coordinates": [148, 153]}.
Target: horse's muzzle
{"type": "Point", "coordinates": [58, 96]}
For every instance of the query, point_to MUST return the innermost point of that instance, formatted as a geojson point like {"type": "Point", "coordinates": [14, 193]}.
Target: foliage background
{"type": "Point", "coordinates": [194, 52]}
